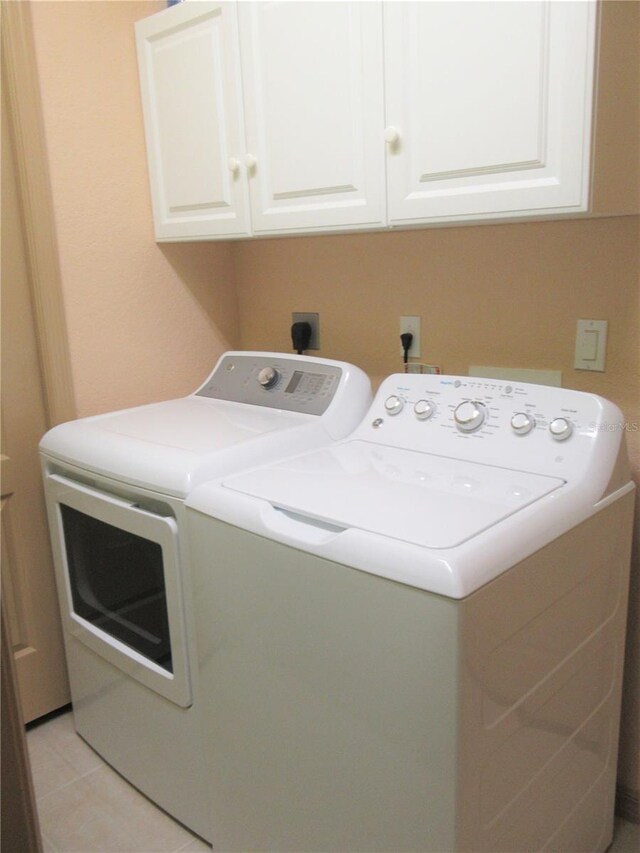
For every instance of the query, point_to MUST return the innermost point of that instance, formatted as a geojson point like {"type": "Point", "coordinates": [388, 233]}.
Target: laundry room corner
{"type": "Point", "coordinates": [143, 317]}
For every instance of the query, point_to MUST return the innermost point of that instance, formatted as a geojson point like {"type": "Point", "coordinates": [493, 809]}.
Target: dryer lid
{"type": "Point", "coordinates": [191, 424]}
{"type": "Point", "coordinates": [172, 446]}
{"type": "Point", "coordinates": [420, 498]}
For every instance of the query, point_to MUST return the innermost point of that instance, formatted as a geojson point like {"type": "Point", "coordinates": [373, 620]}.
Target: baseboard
{"type": "Point", "coordinates": [628, 803]}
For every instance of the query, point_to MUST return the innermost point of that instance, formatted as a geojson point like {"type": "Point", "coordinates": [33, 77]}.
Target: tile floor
{"type": "Point", "coordinates": [85, 806]}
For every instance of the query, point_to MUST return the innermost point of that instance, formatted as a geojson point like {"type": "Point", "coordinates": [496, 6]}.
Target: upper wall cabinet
{"type": "Point", "coordinates": [192, 105]}
{"type": "Point", "coordinates": [488, 108]}
{"type": "Point", "coordinates": [268, 118]}
{"type": "Point", "coordinates": [313, 106]}
{"type": "Point", "coordinates": [313, 109]}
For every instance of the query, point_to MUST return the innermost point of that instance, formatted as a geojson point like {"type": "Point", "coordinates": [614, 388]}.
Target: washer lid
{"type": "Point", "coordinates": [426, 500]}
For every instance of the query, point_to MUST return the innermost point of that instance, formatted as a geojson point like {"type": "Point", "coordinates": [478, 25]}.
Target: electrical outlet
{"type": "Point", "coordinates": [411, 324]}
{"type": "Point", "coordinates": [314, 321]}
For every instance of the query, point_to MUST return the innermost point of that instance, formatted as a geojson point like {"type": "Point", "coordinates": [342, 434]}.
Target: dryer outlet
{"type": "Point", "coordinates": [313, 319]}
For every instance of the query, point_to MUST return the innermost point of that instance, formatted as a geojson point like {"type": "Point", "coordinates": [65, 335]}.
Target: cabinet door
{"type": "Point", "coordinates": [312, 79]}
{"type": "Point", "coordinates": [192, 102]}
{"type": "Point", "coordinates": [491, 102]}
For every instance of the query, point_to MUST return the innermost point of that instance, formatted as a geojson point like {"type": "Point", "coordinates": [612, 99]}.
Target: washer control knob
{"type": "Point", "coordinates": [394, 404]}
{"type": "Point", "coordinates": [268, 377]}
{"type": "Point", "coordinates": [470, 415]}
{"type": "Point", "coordinates": [522, 423]}
{"type": "Point", "coordinates": [424, 409]}
{"type": "Point", "coordinates": [560, 429]}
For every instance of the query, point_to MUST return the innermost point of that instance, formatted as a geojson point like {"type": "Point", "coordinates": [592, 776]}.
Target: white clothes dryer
{"type": "Point", "coordinates": [412, 640]}
{"type": "Point", "coordinates": [115, 486]}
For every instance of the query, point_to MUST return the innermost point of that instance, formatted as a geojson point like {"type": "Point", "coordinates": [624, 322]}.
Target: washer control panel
{"type": "Point", "coordinates": [471, 404]}
{"type": "Point", "coordinates": [503, 423]}
{"type": "Point", "coordinates": [293, 384]}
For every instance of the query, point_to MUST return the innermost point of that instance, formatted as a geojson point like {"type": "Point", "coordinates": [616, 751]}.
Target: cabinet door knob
{"type": "Point", "coordinates": [250, 162]}
{"type": "Point", "coordinates": [234, 164]}
{"type": "Point", "coordinates": [391, 134]}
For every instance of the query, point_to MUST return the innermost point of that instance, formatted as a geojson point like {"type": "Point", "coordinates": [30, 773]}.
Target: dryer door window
{"type": "Point", "coordinates": [117, 584]}
{"type": "Point", "coordinates": [119, 576]}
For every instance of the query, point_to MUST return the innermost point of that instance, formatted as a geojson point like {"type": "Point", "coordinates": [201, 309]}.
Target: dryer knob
{"type": "Point", "coordinates": [268, 377]}
{"type": "Point", "coordinates": [470, 415]}
{"type": "Point", "coordinates": [394, 404]}
{"type": "Point", "coordinates": [522, 423]}
{"type": "Point", "coordinates": [560, 429]}
{"type": "Point", "coordinates": [424, 409]}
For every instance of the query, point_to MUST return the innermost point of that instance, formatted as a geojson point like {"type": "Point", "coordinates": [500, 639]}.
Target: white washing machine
{"type": "Point", "coordinates": [412, 640]}
{"type": "Point", "coordinates": [115, 486]}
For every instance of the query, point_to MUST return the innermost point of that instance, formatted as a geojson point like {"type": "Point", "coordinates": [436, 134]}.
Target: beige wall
{"type": "Point", "coordinates": [505, 295]}
{"type": "Point", "coordinates": [500, 295]}
{"type": "Point", "coordinates": [145, 322]}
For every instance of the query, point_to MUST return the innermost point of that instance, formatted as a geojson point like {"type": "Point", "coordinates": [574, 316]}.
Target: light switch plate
{"type": "Point", "coordinates": [591, 345]}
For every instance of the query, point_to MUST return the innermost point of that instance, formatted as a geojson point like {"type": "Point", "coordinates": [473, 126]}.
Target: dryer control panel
{"type": "Point", "coordinates": [527, 427]}
{"type": "Point", "coordinates": [292, 383]}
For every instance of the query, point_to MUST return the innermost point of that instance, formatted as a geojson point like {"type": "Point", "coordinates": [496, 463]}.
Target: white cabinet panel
{"type": "Point", "coordinates": [313, 95]}
{"type": "Point", "coordinates": [492, 106]}
{"type": "Point", "coordinates": [192, 102]}
{"type": "Point", "coordinates": [276, 117]}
